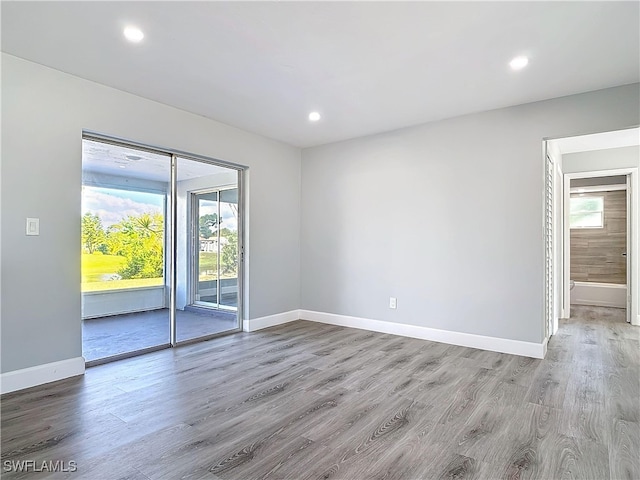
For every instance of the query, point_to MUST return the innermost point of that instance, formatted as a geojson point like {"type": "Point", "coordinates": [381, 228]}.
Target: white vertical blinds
{"type": "Point", "coordinates": [548, 236]}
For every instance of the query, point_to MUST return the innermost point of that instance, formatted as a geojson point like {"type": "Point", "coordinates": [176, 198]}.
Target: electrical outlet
{"type": "Point", "coordinates": [393, 302]}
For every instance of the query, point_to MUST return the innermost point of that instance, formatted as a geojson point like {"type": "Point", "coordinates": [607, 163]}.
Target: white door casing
{"type": "Point", "coordinates": [632, 237]}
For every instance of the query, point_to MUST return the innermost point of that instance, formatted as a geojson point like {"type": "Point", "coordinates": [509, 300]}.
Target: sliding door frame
{"type": "Point", "coordinates": [194, 255]}
{"type": "Point", "coordinates": [194, 258]}
{"type": "Point", "coordinates": [172, 257]}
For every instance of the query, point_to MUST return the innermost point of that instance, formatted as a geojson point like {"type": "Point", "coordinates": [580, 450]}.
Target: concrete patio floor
{"type": "Point", "coordinates": [107, 336]}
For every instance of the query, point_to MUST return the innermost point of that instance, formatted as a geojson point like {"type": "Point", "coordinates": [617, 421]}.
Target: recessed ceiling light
{"type": "Point", "coordinates": [314, 116]}
{"type": "Point", "coordinates": [133, 34]}
{"type": "Point", "coordinates": [122, 166]}
{"type": "Point", "coordinates": [519, 63]}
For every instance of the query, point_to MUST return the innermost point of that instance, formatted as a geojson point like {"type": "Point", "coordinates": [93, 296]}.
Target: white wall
{"type": "Point", "coordinates": [125, 300]}
{"type": "Point", "coordinates": [599, 294]}
{"type": "Point", "coordinates": [446, 216]}
{"type": "Point", "coordinates": [44, 113]}
{"type": "Point", "coordinates": [612, 158]}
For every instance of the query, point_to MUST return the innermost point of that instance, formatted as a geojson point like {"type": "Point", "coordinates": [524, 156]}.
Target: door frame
{"type": "Point", "coordinates": [171, 256]}
{"type": "Point", "coordinates": [632, 247]}
{"type": "Point", "coordinates": [193, 263]}
{"type": "Point", "coordinates": [553, 222]}
{"type": "Point", "coordinates": [240, 310]}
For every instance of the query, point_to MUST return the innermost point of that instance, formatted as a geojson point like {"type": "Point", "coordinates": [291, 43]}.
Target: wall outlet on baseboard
{"type": "Point", "coordinates": [393, 302]}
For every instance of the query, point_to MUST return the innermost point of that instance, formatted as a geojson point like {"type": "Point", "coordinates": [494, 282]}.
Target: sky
{"type": "Point", "coordinates": [113, 205]}
{"type": "Point", "coordinates": [229, 219]}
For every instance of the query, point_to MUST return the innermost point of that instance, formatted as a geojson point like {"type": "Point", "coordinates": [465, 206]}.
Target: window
{"type": "Point", "coordinates": [586, 212]}
{"type": "Point", "coordinates": [122, 238]}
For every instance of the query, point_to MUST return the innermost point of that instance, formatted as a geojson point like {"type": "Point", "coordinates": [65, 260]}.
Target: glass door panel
{"type": "Point", "coordinates": [228, 249]}
{"type": "Point", "coordinates": [206, 208]}
{"type": "Point", "coordinates": [207, 233]}
{"type": "Point", "coordinates": [124, 290]}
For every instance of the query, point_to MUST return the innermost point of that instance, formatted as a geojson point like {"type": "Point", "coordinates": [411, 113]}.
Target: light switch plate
{"type": "Point", "coordinates": [393, 302]}
{"type": "Point", "coordinates": [33, 226]}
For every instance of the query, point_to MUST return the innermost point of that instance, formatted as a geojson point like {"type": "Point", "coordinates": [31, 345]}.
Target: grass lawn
{"type": "Point", "coordinates": [97, 268]}
{"type": "Point", "coordinates": [209, 261]}
{"type": "Point", "coordinates": [94, 267]}
{"type": "Point", "coordinates": [115, 284]}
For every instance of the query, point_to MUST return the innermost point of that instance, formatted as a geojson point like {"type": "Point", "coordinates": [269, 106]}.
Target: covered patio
{"type": "Point", "coordinates": [117, 334]}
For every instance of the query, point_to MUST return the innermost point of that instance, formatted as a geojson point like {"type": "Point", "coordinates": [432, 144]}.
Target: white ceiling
{"type": "Point", "coordinates": [128, 162]}
{"type": "Point", "coordinates": [367, 67]}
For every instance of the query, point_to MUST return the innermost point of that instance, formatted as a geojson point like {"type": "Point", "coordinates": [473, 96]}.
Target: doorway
{"type": "Point", "coordinates": [139, 241]}
{"type": "Point", "coordinates": [598, 242]}
{"type": "Point", "coordinates": [215, 236]}
{"type": "Point", "coordinates": [208, 250]}
{"type": "Point", "coordinates": [599, 158]}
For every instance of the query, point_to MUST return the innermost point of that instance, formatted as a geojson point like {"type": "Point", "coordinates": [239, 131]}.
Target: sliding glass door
{"type": "Point", "coordinates": [160, 242]}
{"type": "Point", "coordinates": [124, 225]}
{"type": "Point", "coordinates": [206, 247]}
{"type": "Point", "coordinates": [216, 249]}
{"type": "Point", "coordinates": [228, 260]}
{"type": "Point", "coordinates": [208, 284]}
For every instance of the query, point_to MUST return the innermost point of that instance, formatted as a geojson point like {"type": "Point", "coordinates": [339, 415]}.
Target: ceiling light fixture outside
{"type": "Point", "coordinates": [314, 116]}
{"type": "Point", "coordinates": [519, 63]}
{"type": "Point", "coordinates": [133, 34]}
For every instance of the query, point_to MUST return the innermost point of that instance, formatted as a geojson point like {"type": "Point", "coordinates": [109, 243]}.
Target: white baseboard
{"type": "Point", "coordinates": [259, 323]}
{"type": "Point", "coordinates": [40, 374]}
{"type": "Point", "coordinates": [494, 344]}
{"type": "Point", "coordinates": [545, 342]}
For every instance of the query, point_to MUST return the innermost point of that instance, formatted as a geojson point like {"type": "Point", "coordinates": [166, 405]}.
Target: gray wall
{"type": "Point", "coordinates": [43, 114]}
{"type": "Point", "coordinates": [447, 217]}
{"type": "Point", "coordinates": [623, 157]}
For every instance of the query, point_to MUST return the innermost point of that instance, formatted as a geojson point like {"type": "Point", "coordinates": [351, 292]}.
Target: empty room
{"type": "Point", "coordinates": [320, 240]}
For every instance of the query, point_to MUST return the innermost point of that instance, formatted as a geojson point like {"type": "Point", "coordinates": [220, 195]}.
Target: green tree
{"type": "Point", "coordinates": [229, 254]}
{"type": "Point", "coordinates": [138, 238]}
{"type": "Point", "coordinates": [93, 235]}
{"type": "Point", "coordinates": [225, 232]}
{"type": "Point", "coordinates": [208, 224]}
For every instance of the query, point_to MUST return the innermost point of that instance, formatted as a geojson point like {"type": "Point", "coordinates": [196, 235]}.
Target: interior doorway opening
{"type": "Point", "coordinates": [599, 238]}
{"type": "Point", "coordinates": [595, 207]}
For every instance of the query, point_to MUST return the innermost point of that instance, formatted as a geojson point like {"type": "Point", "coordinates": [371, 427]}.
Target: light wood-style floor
{"type": "Point", "coordinates": [312, 401]}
